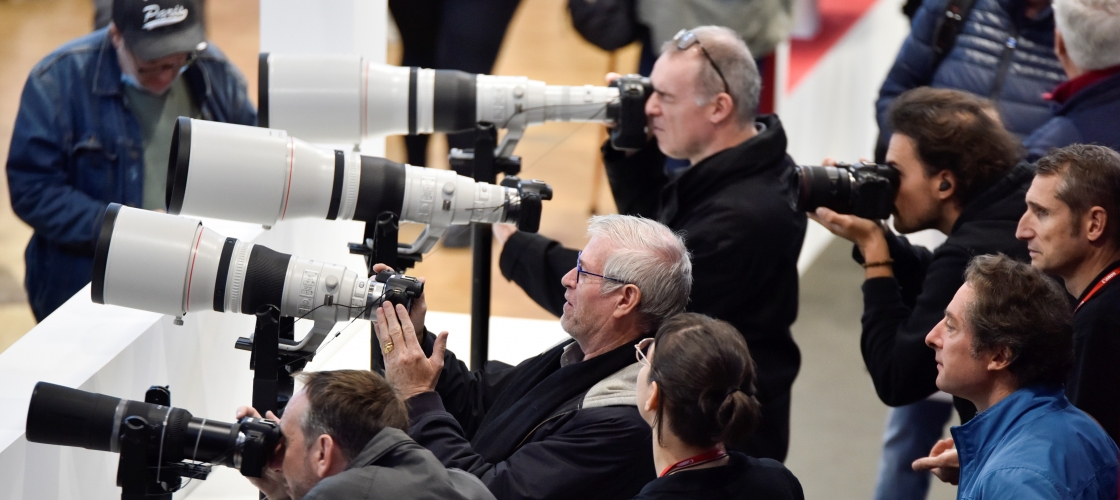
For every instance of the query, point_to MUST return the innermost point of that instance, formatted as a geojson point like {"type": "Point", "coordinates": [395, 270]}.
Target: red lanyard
{"type": "Point", "coordinates": [1100, 284]}
{"type": "Point", "coordinates": [703, 458]}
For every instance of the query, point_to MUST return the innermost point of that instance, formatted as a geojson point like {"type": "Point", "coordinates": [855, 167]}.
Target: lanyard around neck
{"type": "Point", "coordinates": [703, 458]}
{"type": "Point", "coordinates": [1096, 288]}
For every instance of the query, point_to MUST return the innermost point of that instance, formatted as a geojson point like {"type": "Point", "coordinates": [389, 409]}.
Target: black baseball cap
{"type": "Point", "coordinates": [158, 28]}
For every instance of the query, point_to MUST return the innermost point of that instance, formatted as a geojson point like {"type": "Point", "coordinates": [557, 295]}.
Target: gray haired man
{"type": "Point", "coordinates": [1087, 41]}
{"type": "Point", "coordinates": [733, 200]}
{"type": "Point", "coordinates": [562, 424]}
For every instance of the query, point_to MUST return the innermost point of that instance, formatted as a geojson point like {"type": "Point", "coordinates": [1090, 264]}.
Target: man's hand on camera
{"type": "Point", "coordinates": [271, 482]}
{"type": "Point", "coordinates": [942, 461]}
{"type": "Point", "coordinates": [407, 369]}
{"type": "Point", "coordinates": [419, 309]}
{"type": "Point", "coordinates": [502, 232]}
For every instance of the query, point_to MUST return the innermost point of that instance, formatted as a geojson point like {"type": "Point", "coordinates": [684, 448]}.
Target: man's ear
{"type": "Point", "coordinates": [724, 108]}
{"type": "Point", "coordinates": [326, 457]}
{"type": "Point", "coordinates": [946, 182]}
{"type": "Point", "coordinates": [1000, 359]}
{"type": "Point", "coordinates": [1094, 223]}
{"type": "Point", "coordinates": [628, 299]}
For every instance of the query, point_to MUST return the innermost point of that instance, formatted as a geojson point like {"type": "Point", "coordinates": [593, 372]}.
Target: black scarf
{"type": "Point", "coordinates": [542, 388]}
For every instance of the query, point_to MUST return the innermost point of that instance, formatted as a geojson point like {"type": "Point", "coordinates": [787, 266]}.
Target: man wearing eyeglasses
{"type": "Point", "coordinates": [733, 204]}
{"type": "Point", "coordinates": [563, 424]}
{"type": "Point", "coordinates": [94, 127]}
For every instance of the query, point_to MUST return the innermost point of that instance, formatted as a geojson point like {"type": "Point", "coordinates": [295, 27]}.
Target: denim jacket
{"type": "Point", "coordinates": [76, 147]}
{"type": "Point", "coordinates": [1033, 445]}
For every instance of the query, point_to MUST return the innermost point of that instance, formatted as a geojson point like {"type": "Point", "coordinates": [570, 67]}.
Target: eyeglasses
{"type": "Point", "coordinates": [641, 348]}
{"type": "Point", "coordinates": [145, 71]}
{"type": "Point", "coordinates": [579, 271]}
{"type": "Point", "coordinates": [686, 39]}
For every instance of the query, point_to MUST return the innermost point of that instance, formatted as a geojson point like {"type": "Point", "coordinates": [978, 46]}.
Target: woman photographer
{"type": "Point", "coordinates": [688, 391]}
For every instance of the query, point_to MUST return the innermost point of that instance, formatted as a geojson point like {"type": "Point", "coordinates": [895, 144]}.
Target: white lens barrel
{"type": "Point", "coordinates": [250, 174]}
{"type": "Point", "coordinates": [587, 103]}
{"type": "Point", "coordinates": [263, 176]}
{"type": "Point", "coordinates": [318, 98]}
{"type": "Point", "coordinates": [385, 98]}
{"type": "Point", "coordinates": [155, 262]}
{"type": "Point", "coordinates": [442, 198]}
{"type": "Point", "coordinates": [346, 99]}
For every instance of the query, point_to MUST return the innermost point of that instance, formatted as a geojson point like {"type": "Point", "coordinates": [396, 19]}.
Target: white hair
{"type": "Point", "coordinates": [728, 50]}
{"type": "Point", "coordinates": [1091, 30]}
{"type": "Point", "coordinates": [650, 256]}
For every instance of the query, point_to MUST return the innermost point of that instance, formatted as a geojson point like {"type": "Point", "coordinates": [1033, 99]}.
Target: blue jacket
{"type": "Point", "coordinates": [76, 147]}
{"type": "Point", "coordinates": [1035, 445]}
{"type": "Point", "coordinates": [1087, 117]}
{"type": "Point", "coordinates": [999, 54]}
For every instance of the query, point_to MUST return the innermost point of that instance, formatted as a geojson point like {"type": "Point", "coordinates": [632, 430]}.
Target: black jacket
{"type": "Point", "coordinates": [737, 214]}
{"type": "Point", "coordinates": [540, 430]}
{"type": "Point", "coordinates": [900, 311]}
{"type": "Point", "coordinates": [394, 467]}
{"type": "Point", "coordinates": [1094, 381]}
{"type": "Point", "coordinates": [742, 478]}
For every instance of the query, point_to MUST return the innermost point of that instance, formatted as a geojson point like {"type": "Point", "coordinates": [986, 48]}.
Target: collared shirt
{"type": "Point", "coordinates": [572, 354]}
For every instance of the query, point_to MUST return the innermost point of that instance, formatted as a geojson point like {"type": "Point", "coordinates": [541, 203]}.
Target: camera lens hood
{"type": "Point", "coordinates": [177, 165]}
{"type": "Point", "coordinates": [101, 252]}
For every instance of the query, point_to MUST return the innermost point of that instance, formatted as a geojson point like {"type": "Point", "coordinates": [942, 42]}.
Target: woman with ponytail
{"type": "Point", "coordinates": [689, 392]}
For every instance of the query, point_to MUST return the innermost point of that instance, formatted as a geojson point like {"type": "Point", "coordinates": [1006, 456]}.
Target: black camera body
{"type": "Point", "coordinates": [865, 190]}
{"type": "Point", "coordinates": [528, 210]}
{"type": "Point", "coordinates": [158, 444]}
{"type": "Point", "coordinates": [629, 113]}
{"type": "Point", "coordinates": [398, 288]}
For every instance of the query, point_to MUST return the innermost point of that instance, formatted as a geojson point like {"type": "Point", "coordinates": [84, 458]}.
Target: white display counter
{"type": "Point", "coordinates": [121, 352]}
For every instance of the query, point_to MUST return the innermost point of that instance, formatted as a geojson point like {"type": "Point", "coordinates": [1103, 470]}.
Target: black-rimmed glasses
{"type": "Point", "coordinates": [579, 271]}
{"type": "Point", "coordinates": [641, 348]}
{"type": "Point", "coordinates": [686, 39]}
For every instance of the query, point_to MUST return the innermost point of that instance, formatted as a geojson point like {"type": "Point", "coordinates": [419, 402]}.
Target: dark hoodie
{"type": "Point", "coordinates": [736, 211]}
{"type": "Point", "coordinates": [898, 312]}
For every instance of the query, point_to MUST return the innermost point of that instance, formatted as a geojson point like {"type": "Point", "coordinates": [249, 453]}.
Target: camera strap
{"type": "Point", "coordinates": [1096, 288]}
{"type": "Point", "coordinates": [949, 27]}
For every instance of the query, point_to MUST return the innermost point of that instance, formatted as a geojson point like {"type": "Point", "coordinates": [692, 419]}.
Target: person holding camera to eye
{"type": "Point", "coordinates": [734, 202]}
{"type": "Point", "coordinates": [562, 424]}
{"type": "Point", "coordinates": [690, 391]}
{"type": "Point", "coordinates": [959, 172]}
{"type": "Point", "coordinates": [344, 437]}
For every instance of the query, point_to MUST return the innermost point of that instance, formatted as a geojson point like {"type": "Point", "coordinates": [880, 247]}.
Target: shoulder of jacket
{"type": "Point", "coordinates": [616, 389]}
{"type": "Point", "coordinates": [71, 52]}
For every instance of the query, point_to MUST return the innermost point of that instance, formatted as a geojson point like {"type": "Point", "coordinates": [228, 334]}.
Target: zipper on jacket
{"type": "Point", "coordinates": [545, 421]}
{"type": "Point", "coordinates": [1009, 47]}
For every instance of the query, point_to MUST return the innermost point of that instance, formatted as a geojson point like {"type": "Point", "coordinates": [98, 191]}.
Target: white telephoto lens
{"type": "Point", "coordinates": [155, 262]}
{"type": "Point", "coordinates": [346, 99]}
{"type": "Point", "coordinates": [250, 174]}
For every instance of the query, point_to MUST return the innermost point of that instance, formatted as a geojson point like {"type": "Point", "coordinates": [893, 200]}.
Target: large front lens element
{"type": "Point", "coordinates": [828, 187]}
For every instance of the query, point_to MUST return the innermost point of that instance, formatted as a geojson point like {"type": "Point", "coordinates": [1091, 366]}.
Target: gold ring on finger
{"type": "Point", "coordinates": [387, 348]}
